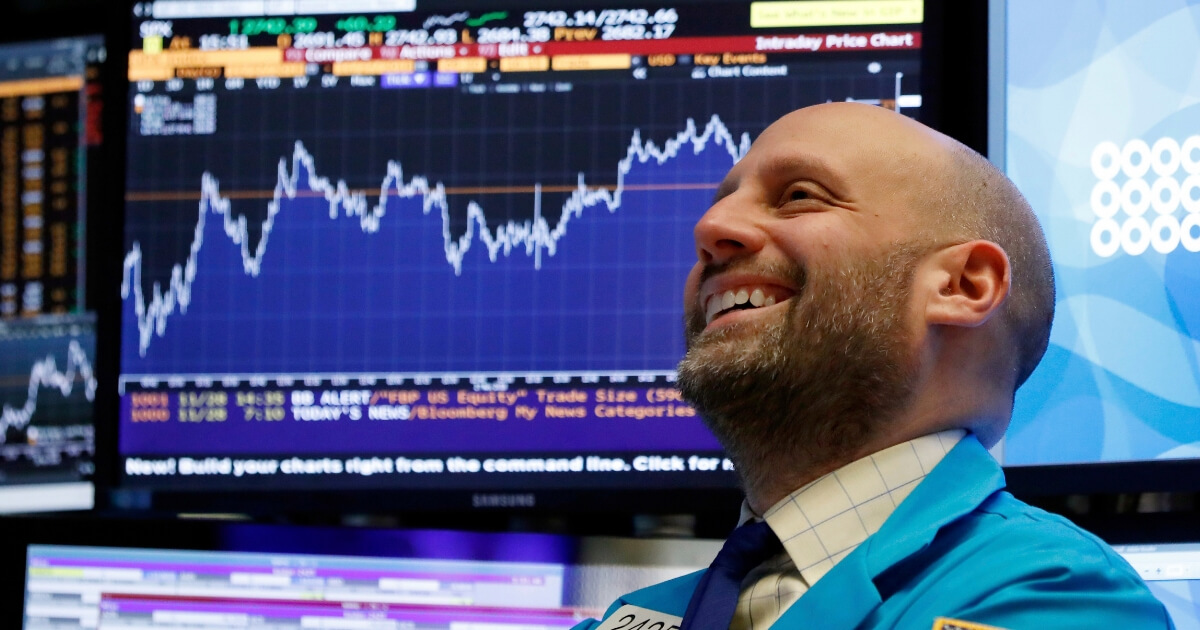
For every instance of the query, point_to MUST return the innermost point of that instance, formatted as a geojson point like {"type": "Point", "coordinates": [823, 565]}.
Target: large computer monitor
{"type": "Point", "coordinates": [49, 130]}
{"type": "Point", "coordinates": [440, 246]}
{"type": "Point", "coordinates": [1093, 117]}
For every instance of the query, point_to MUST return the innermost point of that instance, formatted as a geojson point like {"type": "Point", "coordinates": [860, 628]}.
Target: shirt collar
{"type": "Point", "coordinates": [823, 521]}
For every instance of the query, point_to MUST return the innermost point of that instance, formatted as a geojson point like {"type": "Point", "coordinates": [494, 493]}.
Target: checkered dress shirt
{"type": "Point", "coordinates": [825, 520]}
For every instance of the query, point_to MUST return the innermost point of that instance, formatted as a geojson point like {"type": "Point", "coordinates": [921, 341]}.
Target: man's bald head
{"type": "Point", "coordinates": [978, 201]}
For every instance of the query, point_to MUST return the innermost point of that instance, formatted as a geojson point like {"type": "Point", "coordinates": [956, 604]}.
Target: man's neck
{"type": "Point", "coordinates": [768, 480]}
{"type": "Point", "coordinates": [788, 474]}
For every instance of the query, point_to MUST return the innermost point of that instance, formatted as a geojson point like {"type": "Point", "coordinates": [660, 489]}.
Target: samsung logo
{"type": "Point", "coordinates": [503, 500]}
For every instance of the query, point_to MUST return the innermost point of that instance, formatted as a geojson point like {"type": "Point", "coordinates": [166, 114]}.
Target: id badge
{"type": "Point", "coordinates": [630, 617]}
{"type": "Point", "coordinates": [945, 623]}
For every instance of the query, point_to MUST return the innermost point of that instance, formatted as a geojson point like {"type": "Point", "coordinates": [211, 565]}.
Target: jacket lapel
{"type": "Point", "coordinates": [847, 595]}
{"type": "Point", "coordinates": [670, 597]}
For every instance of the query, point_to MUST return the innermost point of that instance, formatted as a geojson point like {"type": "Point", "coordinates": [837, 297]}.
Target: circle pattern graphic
{"type": "Point", "coordinates": [1137, 177]}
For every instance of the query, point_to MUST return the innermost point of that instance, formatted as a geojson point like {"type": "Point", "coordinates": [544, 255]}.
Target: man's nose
{"type": "Point", "coordinates": [726, 231]}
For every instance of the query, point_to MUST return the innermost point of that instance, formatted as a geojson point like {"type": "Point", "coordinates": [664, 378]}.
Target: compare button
{"type": "Point", "coordinates": [835, 13]}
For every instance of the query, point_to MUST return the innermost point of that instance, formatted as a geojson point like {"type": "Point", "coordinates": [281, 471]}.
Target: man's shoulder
{"type": "Point", "coordinates": [1013, 526]}
{"type": "Point", "coordinates": [960, 521]}
{"type": "Point", "coordinates": [1005, 538]}
{"type": "Point", "coordinates": [1011, 565]}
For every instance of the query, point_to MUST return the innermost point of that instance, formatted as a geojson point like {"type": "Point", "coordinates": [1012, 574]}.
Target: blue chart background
{"type": "Point", "coordinates": [24, 344]}
{"type": "Point", "coordinates": [1120, 380]}
{"type": "Point", "coordinates": [334, 298]}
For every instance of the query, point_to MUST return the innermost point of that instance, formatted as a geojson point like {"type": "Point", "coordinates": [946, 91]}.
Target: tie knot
{"type": "Point", "coordinates": [747, 547]}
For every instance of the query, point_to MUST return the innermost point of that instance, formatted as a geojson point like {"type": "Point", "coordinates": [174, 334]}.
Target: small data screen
{"type": "Point", "coordinates": [48, 386]}
{"type": "Point", "coordinates": [49, 116]}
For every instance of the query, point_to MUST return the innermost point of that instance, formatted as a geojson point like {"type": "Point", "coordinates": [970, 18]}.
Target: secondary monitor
{"type": "Point", "coordinates": [1172, 571]}
{"type": "Point", "coordinates": [441, 245]}
{"type": "Point", "coordinates": [118, 587]}
{"type": "Point", "coordinates": [89, 573]}
{"type": "Point", "coordinates": [1092, 117]}
{"type": "Point", "coordinates": [47, 123]}
{"type": "Point", "coordinates": [47, 433]}
{"type": "Point", "coordinates": [49, 131]}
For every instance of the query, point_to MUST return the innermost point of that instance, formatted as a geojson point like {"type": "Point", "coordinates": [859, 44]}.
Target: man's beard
{"type": "Point", "coordinates": [808, 390]}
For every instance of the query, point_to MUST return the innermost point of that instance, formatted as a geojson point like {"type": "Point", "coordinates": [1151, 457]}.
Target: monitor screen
{"type": "Point", "coordinates": [47, 437]}
{"type": "Point", "coordinates": [49, 130]}
{"type": "Point", "coordinates": [441, 245]}
{"type": "Point", "coordinates": [242, 575]}
{"type": "Point", "coordinates": [1094, 119]}
{"type": "Point", "coordinates": [47, 122]}
{"type": "Point", "coordinates": [1172, 571]}
{"type": "Point", "coordinates": [115, 588]}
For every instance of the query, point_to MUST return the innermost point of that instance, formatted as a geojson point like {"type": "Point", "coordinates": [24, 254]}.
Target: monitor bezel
{"type": "Point", "coordinates": [949, 26]}
{"type": "Point", "coordinates": [26, 24]}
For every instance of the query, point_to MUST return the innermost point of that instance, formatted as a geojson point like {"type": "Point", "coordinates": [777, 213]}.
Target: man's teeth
{"type": "Point", "coordinates": [714, 307]}
{"type": "Point", "coordinates": [729, 299]}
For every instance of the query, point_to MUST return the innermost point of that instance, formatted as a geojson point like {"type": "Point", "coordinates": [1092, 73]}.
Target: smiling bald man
{"type": "Point", "coordinates": [868, 296]}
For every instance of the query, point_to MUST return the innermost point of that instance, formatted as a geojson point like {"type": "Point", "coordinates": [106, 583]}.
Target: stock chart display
{"type": "Point", "coordinates": [46, 395]}
{"type": "Point", "coordinates": [445, 245]}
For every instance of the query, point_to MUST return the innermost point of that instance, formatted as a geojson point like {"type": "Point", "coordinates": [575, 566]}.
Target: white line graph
{"type": "Point", "coordinates": [533, 235]}
{"type": "Point", "coordinates": [45, 374]}
{"type": "Point", "coordinates": [445, 20]}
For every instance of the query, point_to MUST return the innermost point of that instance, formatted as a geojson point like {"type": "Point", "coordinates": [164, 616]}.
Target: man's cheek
{"type": "Point", "coordinates": [691, 287]}
{"type": "Point", "coordinates": [693, 322]}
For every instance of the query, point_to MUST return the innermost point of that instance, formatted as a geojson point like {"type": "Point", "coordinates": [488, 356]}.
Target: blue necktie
{"type": "Point", "coordinates": [715, 598]}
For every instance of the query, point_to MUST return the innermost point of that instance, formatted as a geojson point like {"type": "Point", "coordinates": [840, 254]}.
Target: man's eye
{"type": "Point", "coordinates": [802, 196]}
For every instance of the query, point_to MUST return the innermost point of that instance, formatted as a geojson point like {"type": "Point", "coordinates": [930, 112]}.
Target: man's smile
{"type": "Point", "coordinates": [722, 296]}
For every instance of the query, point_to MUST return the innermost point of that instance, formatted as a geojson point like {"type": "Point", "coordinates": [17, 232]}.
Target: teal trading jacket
{"type": "Point", "coordinates": [960, 547]}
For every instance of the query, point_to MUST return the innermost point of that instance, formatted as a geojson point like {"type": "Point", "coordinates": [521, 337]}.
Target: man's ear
{"type": "Point", "coordinates": [965, 284]}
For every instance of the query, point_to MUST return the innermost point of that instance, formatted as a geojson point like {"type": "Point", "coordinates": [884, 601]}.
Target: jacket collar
{"type": "Point", "coordinates": [958, 485]}
{"type": "Point", "coordinates": [846, 595]}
